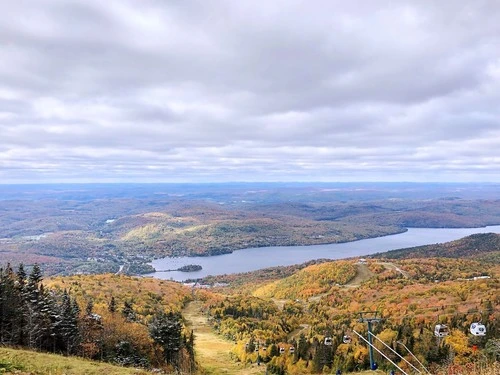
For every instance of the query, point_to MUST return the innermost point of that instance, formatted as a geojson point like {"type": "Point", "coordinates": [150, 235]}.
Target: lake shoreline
{"type": "Point", "coordinates": [250, 259]}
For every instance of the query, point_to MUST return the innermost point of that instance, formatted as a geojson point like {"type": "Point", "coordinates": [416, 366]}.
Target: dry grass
{"type": "Point", "coordinates": [14, 361]}
{"type": "Point", "coordinates": [212, 351]}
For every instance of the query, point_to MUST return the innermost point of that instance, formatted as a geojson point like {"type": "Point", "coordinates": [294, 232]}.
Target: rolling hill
{"type": "Point", "coordinates": [474, 246]}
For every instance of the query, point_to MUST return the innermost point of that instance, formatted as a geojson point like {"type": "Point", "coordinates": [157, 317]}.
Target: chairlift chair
{"type": "Point", "coordinates": [328, 341]}
{"type": "Point", "coordinates": [478, 329]}
{"type": "Point", "coordinates": [292, 350]}
{"type": "Point", "coordinates": [346, 339]}
{"type": "Point", "coordinates": [282, 350]}
{"type": "Point", "coordinates": [441, 330]}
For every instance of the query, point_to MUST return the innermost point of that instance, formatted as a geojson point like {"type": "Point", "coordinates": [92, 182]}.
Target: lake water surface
{"type": "Point", "coordinates": [256, 258]}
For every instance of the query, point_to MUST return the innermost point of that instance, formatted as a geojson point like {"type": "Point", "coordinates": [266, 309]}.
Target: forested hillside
{"type": "Point", "coordinates": [293, 322]}
{"type": "Point", "coordinates": [122, 320]}
{"type": "Point", "coordinates": [481, 245]}
{"type": "Point", "coordinates": [288, 323]}
{"type": "Point", "coordinates": [291, 319]}
{"type": "Point", "coordinates": [311, 281]}
{"type": "Point", "coordinates": [97, 229]}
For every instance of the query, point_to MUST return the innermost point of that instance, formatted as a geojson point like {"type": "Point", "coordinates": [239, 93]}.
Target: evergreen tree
{"type": "Point", "coordinates": [165, 330]}
{"type": "Point", "coordinates": [35, 275]}
{"type": "Point", "coordinates": [68, 325]}
{"type": "Point", "coordinates": [250, 347]}
{"type": "Point", "coordinates": [45, 319]}
{"type": "Point", "coordinates": [21, 274]}
{"type": "Point", "coordinates": [128, 311]}
{"type": "Point", "coordinates": [190, 344]}
{"type": "Point", "coordinates": [89, 307]}
{"type": "Point", "coordinates": [30, 306]}
{"type": "Point", "coordinates": [112, 305]}
{"type": "Point", "coordinates": [302, 347]}
{"type": "Point", "coordinates": [7, 306]}
{"type": "Point", "coordinates": [274, 351]}
{"type": "Point", "coordinates": [17, 302]}
{"type": "Point", "coordinates": [317, 360]}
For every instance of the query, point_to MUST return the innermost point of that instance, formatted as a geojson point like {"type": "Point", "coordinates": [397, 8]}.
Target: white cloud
{"type": "Point", "coordinates": [191, 91]}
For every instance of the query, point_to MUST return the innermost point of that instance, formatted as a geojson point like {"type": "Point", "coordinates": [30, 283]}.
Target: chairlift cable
{"type": "Point", "coordinates": [414, 357]}
{"type": "Point", "coordinates": [382, 354]}
{"type": "Point", "coordinates": [395, 352]}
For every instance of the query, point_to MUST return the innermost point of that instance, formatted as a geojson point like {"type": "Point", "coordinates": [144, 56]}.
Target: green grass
{"type": "Point", "coordinates": [15, 361]}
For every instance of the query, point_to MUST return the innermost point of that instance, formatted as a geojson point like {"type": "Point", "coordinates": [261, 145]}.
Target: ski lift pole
{"type": "Point", "coordinates": [369, 321]}
{"type": "Point", "coordinates": [370, 348]}
{"type": "Point", "coordinates": [395, 352]}
{"type": "Point", "coordinates": [382, 354]}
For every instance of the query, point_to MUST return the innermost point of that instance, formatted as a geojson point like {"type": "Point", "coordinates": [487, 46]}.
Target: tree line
{"type": "Point", "coordinates": [35, 317]}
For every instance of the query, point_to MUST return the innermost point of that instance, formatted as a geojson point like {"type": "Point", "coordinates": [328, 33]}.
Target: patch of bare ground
{"type": "Point", "coordinates": [392, 266]}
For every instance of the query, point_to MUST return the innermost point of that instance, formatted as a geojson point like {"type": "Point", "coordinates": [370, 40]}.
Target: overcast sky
{"type": "Point", "coordinates": [143, 91]}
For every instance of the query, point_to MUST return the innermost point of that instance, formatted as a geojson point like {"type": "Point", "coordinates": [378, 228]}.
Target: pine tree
{"type": "Point", "coordinates": [35, 275]}
{"type": "Point", "coordinates": [274, 351]}
{"type": "Point", "coordinates": [6, 294]}
{"type": "Point", "coordinates": [16, 308]}
{"type": "Point", "coordinates": [302, 347]}
{"type": "Point", "coordinates": [68, 325]}
{"type": "Point", "coordinates": [21, 274]}
{"type": "Point", "coordinates": [128, 311]}
{"type": "Point", "coordinates": [46, 305]}
{"type": "Point", "coordinates": [190, 344]}
{"type": "Point", "coordinates": [89, 307]}
{"type": "Point", "coordinates": [31, 307]}
{"type": "Point", "coordinates": [317, 360]}
{"type": "Point", "coordinates": [250, 348]}
{"type": "Point", "coordinates": [112, 305]}
{"type": "Point", "coordinates": [165, 330]}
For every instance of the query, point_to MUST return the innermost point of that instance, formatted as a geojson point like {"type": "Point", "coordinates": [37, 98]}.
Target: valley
{"type": "Point", "coordinates": [292, 318]}
{"type": "Point", "coordinates": [99, 228]}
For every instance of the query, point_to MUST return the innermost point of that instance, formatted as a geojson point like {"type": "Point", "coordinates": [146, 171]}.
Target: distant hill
{"type": "Point", "coordinates": [310, 281]}
{"type": "Point", "coordinates": [107, 228]}
{"type": "Point", "coordinates": [482, 245]}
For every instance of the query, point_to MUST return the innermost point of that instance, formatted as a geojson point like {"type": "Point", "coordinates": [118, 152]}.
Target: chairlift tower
{"type": "Point", "coordinates": [370, 317]}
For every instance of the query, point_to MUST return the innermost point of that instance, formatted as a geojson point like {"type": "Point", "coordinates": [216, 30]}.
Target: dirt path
{"type": "Point", "coordinates": [363, 273]}
{"type": "Point", "coordinates": [303, 328]}
{"type": "Point", "coordinates": [395, 268]}
{"type": "Point", "coordinates": [212, 351]}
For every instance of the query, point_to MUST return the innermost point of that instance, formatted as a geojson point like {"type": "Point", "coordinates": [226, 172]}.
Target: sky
{"type": "Point", "coordinates": [215, 91]}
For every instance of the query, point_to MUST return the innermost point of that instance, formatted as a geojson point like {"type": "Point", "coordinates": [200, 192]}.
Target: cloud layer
{"type": "Point", "coordinates": [249, 91]}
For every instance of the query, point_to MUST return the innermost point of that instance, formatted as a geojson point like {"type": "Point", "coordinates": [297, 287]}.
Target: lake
{"type": "Point", "coordinates": [256, 258]}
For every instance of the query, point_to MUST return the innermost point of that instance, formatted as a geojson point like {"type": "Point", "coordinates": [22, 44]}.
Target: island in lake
{"type": "Point", "coordinates": [190, 268]}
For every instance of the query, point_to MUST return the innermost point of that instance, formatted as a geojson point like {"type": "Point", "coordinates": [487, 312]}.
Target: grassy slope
{"type": "Point", "coordinates": [14, 361]}
{"type": "Point", "coordinates": [28, 362]}
{"type": "Point", "coordinates": [212, 351]}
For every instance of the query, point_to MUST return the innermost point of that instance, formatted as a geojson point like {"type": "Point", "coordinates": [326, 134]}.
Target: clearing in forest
{"type": "Point", "coordinates": [212, 351]}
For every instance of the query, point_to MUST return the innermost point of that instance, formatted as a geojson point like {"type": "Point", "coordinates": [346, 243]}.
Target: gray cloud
{"type": "Point", "coordinates": [225, 90]}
